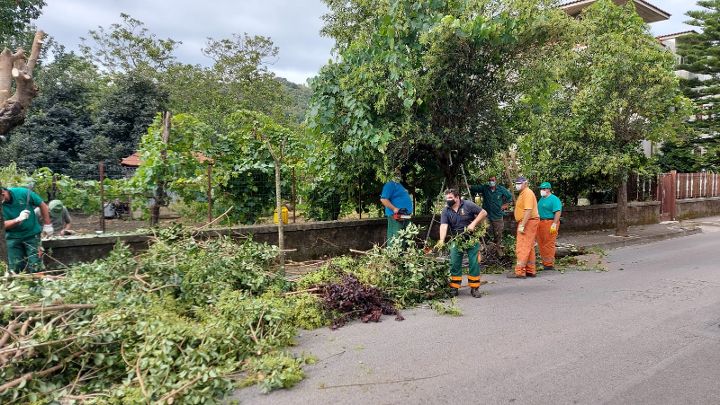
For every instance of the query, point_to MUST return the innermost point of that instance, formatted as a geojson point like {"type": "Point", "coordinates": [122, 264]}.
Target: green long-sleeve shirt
{"type": "Point", "coordinates": [493, 199]}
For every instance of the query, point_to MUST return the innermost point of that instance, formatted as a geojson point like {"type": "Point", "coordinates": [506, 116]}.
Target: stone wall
{"type": "Point", "coordinates": [332, 238]}
{"type": "Point", "coordinates": [604, 216]}
{"type": "Point", "coordinates": [698, 207]}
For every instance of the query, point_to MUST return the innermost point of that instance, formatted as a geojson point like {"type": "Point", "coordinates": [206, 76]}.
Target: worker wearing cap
{"type": "Point", "coordinates": [22, 229]}
{"type": "Point", "coordinates": [59, 216]}
{"type": "Point", "coordinates": [550, 209]}
{"type": "Point", "coordinates": [461, 217]}
{"type": "Point", "coordinates": [396, 199]}
{"type": "Point", "coordinates": [496, 199]}
{"type": "Point", "coordinates": [528, 219]}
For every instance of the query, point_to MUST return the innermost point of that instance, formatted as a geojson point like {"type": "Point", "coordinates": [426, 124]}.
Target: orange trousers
{"type": "Point", "coordinates": [525, 248]}
{"type": "Point", "coordinates": [546, 242]}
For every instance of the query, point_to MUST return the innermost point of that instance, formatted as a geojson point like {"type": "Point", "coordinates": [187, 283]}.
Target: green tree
{"type": "Point", "coordinates": [127, 47]}
{"type": "Point", "coordinates": [699, 53]}
{"type": "Point", "coordinates": [124, 115]}
{"type": "Point", "coordinates": [421, 84]}
{"type": "Point", "coordinates": [16, 17]}
{"type": "Point", "coordinates": [59, 118]}
{"type": "Point", "coordinates": [615, 89]}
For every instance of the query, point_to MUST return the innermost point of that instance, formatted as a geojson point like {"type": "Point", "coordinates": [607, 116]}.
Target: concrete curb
{"type": "Point", "coordinates": [642, 240]}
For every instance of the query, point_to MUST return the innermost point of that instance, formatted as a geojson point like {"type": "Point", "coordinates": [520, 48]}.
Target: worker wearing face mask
{"type": "Point", "coordinates": [495, 200]}
{"type": "Point", "coordinates": [528, 219]}
{"type": "Point", "coordinates": [461, 218]}
{"type": "Point", "coordinates": [550, 209]}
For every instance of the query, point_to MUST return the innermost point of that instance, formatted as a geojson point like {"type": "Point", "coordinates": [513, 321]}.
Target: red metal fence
{"type": "Point", "coordinates": [697, 185]}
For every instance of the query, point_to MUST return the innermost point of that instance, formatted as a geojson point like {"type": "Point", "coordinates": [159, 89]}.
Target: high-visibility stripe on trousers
{"type": "Point", "coordinates": [455, 281]}
{"type": "Point", "coordinates": [456, 256]}
{"type": "Point", "coordinates": [525, 248]}
{"type": "Point", "coordinates": [546, 242]}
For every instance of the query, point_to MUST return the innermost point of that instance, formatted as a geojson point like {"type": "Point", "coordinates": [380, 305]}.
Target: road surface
{"type": "Point", "coordinates": [645, 332]}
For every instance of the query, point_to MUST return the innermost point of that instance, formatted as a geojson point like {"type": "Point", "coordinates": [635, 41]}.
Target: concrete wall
{"type": "Point", "coordinates": [333, 238]}
{"type": "Point", "coordinates": [698, 207]}
{"type": "Point", "coordinates": [308, 241]}
{"type": "Point", "coordinates": [604, 216]}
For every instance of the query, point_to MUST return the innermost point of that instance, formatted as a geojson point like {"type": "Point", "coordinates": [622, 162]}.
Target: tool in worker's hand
{"type": "Point", "coordinates": [402, 215]}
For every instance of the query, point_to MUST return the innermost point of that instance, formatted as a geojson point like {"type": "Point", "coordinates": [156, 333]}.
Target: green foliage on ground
{"type": "Point", "coordinates": [186, 321]}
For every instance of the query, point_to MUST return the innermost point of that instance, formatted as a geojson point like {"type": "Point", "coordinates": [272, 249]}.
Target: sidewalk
{"type": "Point", "coordinates": [606, 239]}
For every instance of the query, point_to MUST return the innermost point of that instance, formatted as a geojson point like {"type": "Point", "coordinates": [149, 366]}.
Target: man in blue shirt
{"type": "Point", "coordinates": [461, 217]}
{"type": "Point", "coordinates": [550, 209]}
{"type": "Point", "coordinates": [398, 207]}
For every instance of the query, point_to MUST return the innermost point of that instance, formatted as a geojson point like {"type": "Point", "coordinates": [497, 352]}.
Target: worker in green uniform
{"type": "Point", "coordinates": [461, 217]}
{"type": "Point", "coordinates": [496, 199]}
{"type": "Point", "coordinates": [22, 229]}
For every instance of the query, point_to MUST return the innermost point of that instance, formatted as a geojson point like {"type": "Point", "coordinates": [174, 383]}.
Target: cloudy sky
{"type": "Point", "coordinates": [293, 25]}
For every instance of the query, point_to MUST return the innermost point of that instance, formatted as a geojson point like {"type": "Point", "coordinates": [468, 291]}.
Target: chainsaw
{"type": "Point", "coordinates": [402, 215]}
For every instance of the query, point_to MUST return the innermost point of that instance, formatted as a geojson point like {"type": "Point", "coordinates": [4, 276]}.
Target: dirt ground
{"type": "Point", "coordinates": [89, 224]}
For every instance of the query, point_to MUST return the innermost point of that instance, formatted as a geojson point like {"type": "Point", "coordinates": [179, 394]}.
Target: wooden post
{"type": "Point", "coordinates": [53, 190]}
{"type": "Point", "coordinates": [360, 196]}
{"type": "Point", "coordinates": [101, 167]}
{"type": "Point", "coordinates": [294, 195]}
{"type": "Point", "coordinates": [209, 193]}
{"type": "Point", "coordinates": [3, 241]}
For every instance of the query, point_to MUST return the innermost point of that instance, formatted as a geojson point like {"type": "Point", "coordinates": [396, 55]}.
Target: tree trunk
{"type": "Point", "coordinates": [16, 67]}
{"type": "Point", "coordinates": [622, 227]}
{"type": "Point", "coordinates": [161, 189]}
{"type": "Point", "coordinates": [278, 207]}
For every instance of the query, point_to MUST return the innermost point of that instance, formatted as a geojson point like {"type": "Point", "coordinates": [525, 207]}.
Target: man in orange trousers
{"type": "Point", "coordinates": [528, 219]}
{"type": "Point", "coordinates": [550, 209]}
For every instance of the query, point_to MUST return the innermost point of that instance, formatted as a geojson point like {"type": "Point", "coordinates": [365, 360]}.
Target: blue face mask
{"type": "Point", "coordinates": [492, 184]}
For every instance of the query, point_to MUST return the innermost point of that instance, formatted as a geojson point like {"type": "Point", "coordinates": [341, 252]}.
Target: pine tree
{"type": "Point", "coordinates": [700, 54]}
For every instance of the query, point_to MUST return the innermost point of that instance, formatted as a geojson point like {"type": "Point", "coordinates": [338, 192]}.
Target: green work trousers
{"type": "Point", "coordinates": [456, 257]}
{"type": "Point", "coordinates": [23, 254]}
{"type": "Point", "coordinates": [393, 228]}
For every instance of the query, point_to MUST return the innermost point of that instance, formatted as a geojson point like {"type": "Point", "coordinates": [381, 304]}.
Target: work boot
{"type": "Point", "coordinates": [513, 275]}
{"type": "Point", "coordinates": [531, 275]}
{"type": "Point", "coordinates": [454, 292]}
{"type": "Point", "coordinates": [547, 268]}
{"type": "Point", "coordinates": [475, 292]}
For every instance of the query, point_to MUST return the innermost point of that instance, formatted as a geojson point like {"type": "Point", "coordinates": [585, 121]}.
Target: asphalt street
{"type": "Point", "coordinates": [645, 332]}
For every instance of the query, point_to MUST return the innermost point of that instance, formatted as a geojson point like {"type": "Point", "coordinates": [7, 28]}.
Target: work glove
{"type": "Point", "coordinates": [439, 245]}
{"type": "Point", "coordinates": [553, 229]}
{"type": "Point", "coordinates": [521, 229]}
{"type": "Point", "coordinates": [47, 230]}
{"type": "Point", "coordinates": [24, 214]}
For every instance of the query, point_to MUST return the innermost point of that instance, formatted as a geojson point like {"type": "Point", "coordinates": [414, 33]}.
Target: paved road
{"type": "Point", "coordinates": [646, 332]}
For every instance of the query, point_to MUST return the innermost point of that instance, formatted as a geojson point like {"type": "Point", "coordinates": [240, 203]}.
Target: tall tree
{"type": "Point", "coordinates": [700, 54]}
{"type": "Point", "coordinates": [16, 17]}
{"type": "Point", "coordinates": [60, 117]}
{"type": "Point", "coordinates": [425, 81]}
{"type": "Point", "coordinates": [127, 47]}
{"type": "Point", "coordinates": [615, 89]}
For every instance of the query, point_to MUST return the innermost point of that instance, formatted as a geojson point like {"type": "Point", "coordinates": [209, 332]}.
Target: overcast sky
{"type": "Point", "coordinates": [293, 25]}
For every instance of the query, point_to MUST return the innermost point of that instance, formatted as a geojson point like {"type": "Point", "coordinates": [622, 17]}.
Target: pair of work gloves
{"type": "Point", "coordinates": [553, 229]}
{"type": "Point", "coordinates": [47, 229]}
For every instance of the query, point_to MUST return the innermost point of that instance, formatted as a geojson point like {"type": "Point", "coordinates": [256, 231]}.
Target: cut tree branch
{"type": "Point", "coordinates": [15, 67]}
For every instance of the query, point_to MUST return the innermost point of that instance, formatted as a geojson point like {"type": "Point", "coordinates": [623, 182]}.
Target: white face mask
{"type": "Point", "coordinates": [544, 193]}
{"type": "Point", "coordinates": [518, 187]}
{"type": "Point", "coordinates": [492, 184]}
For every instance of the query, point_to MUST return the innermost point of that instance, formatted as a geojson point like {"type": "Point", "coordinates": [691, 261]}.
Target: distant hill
{"type": "Point", "coordinates": [300, 95]}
